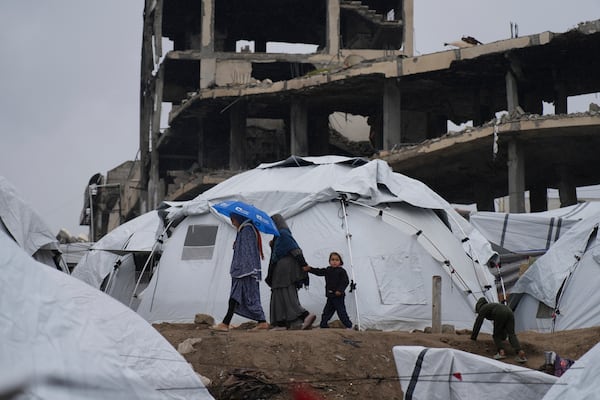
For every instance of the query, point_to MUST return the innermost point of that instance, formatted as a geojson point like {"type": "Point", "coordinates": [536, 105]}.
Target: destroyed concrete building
{"type": "Point", "coordinates": [237, 99]}
{"type": "Point", "coordinates": [234, 107]}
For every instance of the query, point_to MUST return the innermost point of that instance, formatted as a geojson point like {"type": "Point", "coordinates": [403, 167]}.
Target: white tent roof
{"type": "Point", "coordinates": [24, 225]}
{"type": "Point", "coordinates": [61, 339]}
{"type": "Point", "coordinates": [570, 267]}
{"type": "Point", "coordinates": [448, 374]}
{"type": "Point", "coordinates": [292, 185]}
{"type": "Point", "coordinates": [530, 233]}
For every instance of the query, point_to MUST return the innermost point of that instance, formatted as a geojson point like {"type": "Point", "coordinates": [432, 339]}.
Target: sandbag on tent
{"type": "Point", "coordinates": [26, 227]}
{"type": "Point", "coordinates": [61, 339]}
{"type": "Point", "coordinates": [393, 232]}
{"type": "Point", "coordinates": [448, 374]}
{"type": "Point", "coordinates": [560, 290]}
{"type": "Point", "coordinates": [110, 264]}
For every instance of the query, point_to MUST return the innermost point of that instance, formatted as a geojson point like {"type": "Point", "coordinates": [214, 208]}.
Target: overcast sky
{"type": "Point", "coordinates": [69, 83]}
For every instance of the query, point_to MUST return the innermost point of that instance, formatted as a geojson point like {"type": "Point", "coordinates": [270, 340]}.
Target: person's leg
{"type": "Point", "coordinates": [327, 313]}
{"type": "Point", "coordinates": [224, 326]}
{"type": "Point", "coordinates": [230, 311]}
{"type": "Point", "coordinates": [513, 340]}
{"type": "Point", "coordinates": [340, 308]}
{"type": "Point", "coordinates": [499, 334]}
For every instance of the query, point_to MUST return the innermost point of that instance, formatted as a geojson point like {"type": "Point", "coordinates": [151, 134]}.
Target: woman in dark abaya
{"type": "Point", "coordinates": [285, 277]}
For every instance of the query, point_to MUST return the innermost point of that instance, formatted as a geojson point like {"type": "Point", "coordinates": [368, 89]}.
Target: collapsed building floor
{"type": "Point", "coordinates": [233, 108]}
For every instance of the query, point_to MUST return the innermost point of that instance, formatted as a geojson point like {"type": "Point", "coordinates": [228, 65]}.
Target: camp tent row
{"type": "Point", "coordinates": [559, 290]}
{"type": "Point", "coordinates": [519, 237]}
{"type": "Point", "coordinates": [394, 233]}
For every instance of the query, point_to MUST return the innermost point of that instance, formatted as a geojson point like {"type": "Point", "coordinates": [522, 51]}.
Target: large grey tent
{"type": "Point", "coordinates": [394, 232]}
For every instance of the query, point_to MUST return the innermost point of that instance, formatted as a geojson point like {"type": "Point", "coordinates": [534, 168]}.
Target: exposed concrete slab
{"type": "Point", "coordinates": [445, 163]}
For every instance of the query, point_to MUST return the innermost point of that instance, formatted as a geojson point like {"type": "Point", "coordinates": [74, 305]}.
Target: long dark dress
{"type": "Point", "coordinates": [246, 273]}
{"type": "Point", "coordinates": [285, 277]}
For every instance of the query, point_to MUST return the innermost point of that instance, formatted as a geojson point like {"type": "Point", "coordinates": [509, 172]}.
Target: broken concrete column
{"type": "Point", "coordinates": [560, 98]}
{"type": "Point", "coordinates": [391, 114]}
{"type": "Point", "coordinates": [512, 92]}
{"type": "Point", "coordinates": [298, 127]}
{"type": "Point", "coordinates": [516, 177]}
{"type": "Point", "coordinates": [200, 134]}
{"type": "Point", "coordinates": [333, 26]}
{"type": "Point", "coordinates": [237, 142]}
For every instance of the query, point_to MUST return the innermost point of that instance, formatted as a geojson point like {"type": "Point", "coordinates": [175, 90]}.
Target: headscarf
{"type": "Point", "coordinates": [244, 221]}
{"type": "Point", "coordinates": [285, 242]}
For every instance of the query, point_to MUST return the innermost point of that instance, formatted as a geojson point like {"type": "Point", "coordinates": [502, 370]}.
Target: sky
{"type": "Point", "coordinates": [69, 83]}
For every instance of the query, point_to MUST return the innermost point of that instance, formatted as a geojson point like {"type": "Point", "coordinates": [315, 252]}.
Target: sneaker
{"type": "Point", "coordinates": [499, 356]}
{"type": "Point", "coordinates": [308, 321]}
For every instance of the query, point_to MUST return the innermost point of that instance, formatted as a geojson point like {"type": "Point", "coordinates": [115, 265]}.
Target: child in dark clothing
{"type": "Point", "coordinates": [336, 281]}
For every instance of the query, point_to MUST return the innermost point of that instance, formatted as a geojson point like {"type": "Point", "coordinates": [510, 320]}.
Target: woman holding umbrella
{"type": "Point", "coordinates": [285, 277]}
{"type": "Point", "coordinates": [244, 298]}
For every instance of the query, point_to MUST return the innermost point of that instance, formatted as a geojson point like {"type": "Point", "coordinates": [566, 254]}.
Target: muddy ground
{"type": "Point", "coordinates": [335, 363]}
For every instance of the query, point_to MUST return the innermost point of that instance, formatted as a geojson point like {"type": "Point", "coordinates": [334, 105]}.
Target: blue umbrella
{"type": "Point", "coordinates": [259, 218]}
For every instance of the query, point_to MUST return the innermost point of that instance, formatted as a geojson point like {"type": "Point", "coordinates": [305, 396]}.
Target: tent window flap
{"type": "Point", "coordinates": [199, 242]}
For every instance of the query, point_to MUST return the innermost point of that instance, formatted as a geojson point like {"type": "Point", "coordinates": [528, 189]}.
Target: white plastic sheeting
{"type": "Point", "coordinates": [26, 227]}
{"type": "Point", "coordinates": [61, 339]}
{"type": "Point", "coordinates": [114, 255]}
{"type": "Point", "coordinates": [398, 242]}
{"type": "Point", "coordinates": [448, 374]}
{"type": "Point", "coordinates": [530, 233]}
{"type": "Point", "coordinates": [565, 279]}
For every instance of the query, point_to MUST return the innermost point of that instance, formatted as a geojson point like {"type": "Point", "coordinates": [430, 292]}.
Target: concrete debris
{"type": "Point", "coordinates": [187, 346]}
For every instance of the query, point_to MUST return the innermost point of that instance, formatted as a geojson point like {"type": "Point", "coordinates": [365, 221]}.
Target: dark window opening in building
{"type": "Point", "coordinates": [288, 21]}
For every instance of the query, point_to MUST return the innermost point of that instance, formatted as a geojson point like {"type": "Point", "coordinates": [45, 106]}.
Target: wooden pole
{"type": "Point", "coordinates": [436, 304]}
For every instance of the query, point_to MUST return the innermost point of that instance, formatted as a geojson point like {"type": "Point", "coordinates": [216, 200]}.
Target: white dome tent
{"type": "Point", "coordinates": [393, 232]}
{"type": "Point", "coordinates": [110, 264]}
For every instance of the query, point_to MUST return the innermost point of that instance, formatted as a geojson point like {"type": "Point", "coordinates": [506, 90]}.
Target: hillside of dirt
{"type": "Point", "coordinates": [335, 363]}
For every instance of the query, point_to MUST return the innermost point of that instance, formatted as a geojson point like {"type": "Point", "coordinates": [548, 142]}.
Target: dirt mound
{"type": "Point", "coordinates": [335, 363]}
